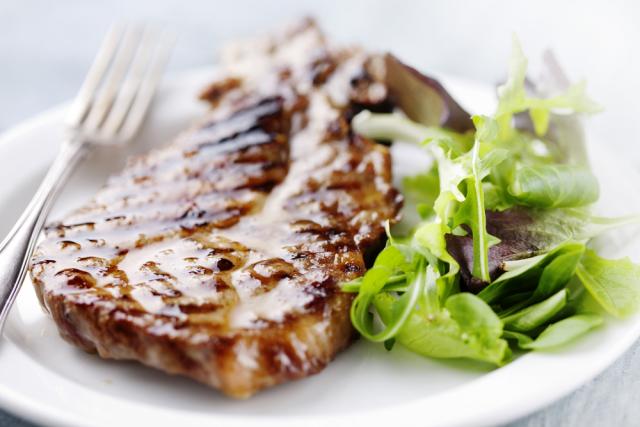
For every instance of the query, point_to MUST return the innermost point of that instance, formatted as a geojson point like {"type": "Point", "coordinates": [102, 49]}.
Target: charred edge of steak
{"type": "Point", "coordinates": [217, 362]}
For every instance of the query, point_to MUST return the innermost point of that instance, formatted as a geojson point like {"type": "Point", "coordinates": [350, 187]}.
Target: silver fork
{"type": "Point", "coordinates": [109, 109]}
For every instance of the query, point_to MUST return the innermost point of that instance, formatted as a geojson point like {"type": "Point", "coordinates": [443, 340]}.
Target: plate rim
{"type": "Point", "coordinates": [43, 413]}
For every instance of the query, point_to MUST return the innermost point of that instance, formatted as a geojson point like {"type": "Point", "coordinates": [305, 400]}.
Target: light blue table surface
{"type": "Point", "coordinates": [46, 46]}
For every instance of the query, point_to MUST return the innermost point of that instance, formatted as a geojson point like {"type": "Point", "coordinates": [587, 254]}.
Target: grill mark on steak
{"type": "Point", "coordinates": [219, 256]}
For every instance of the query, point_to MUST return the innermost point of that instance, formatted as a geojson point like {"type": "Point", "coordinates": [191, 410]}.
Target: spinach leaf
{"type": "Point", "coordinates": [553, 186]}
{"type": "Point", "coordinates": [614, 284]}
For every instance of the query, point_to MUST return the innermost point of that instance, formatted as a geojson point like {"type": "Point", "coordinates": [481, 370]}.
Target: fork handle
{"type": "Point", "coordinates": [16, 249]}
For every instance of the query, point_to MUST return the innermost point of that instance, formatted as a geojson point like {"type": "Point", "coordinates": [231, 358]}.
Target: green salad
{"type": "Point", "coordinates": [501, 258]}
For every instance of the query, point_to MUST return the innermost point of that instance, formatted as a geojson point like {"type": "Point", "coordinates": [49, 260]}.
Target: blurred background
{"type": "Point", "coordinates": [46, 47]}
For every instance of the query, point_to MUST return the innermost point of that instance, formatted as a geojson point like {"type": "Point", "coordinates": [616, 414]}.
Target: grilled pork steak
{"type": "Point", "coordinates": [219, 256]}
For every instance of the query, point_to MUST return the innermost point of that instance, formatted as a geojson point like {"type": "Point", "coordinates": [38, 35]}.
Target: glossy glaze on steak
{"type": "Point", "coordinates": [219, 256]}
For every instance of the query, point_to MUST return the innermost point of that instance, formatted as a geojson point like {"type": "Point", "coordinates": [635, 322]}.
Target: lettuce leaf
{"type": "Point", "coordinates": [513, 98]}
{"type": "Point", "coordinates": [614, 284]}
{"type": "Point", "coordinates": [465, 327]}
{"type": "Point", "coordinates": [422, 98]}
{"type": "Point", "coordinates": [553, 186]}
{"type": "Point", "coordinates": [388, 262]}
{"type": "Point", "coordinates": [527, 276]}
{"type": "Point", "coordinates": [504, 213]}
{"type": "Point", "coordinates": [538, 314]}
{"type": "Point", "coordinates": [421, 191]}
{"type": "Point", "coordinates": [562, 332]}
{"type": "Point", "coordinates": [391, 126]}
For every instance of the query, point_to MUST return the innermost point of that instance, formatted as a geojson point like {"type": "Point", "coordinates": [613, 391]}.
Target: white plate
{"type": "Point", "coordinates": [45, 380]}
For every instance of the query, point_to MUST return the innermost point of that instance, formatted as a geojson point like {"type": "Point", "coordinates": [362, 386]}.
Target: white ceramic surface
{"type": "Point", "coordinates": [45, 380]}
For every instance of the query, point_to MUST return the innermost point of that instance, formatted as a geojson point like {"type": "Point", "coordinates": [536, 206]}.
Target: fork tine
{"type": "Point", "coordinates": [107, 93]}
{"type": "Point", "coordinates": [100, 64]}
{"type": "Point", "coordinates": [147, 87]}
{"type": "Point", "coordinates": [131, 84]}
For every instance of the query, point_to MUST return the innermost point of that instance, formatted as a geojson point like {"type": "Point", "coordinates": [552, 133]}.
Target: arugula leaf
{"type": "Point", "coordinates": [553, 186]}
{"type": "Point", "coordinates": [472, 211]}
{"type": "Point", "coordinates": [395, 283]}
{"type": "Point", "coordinates": [451, 173]}
{"type": "Point", "coordinates": [472, 214]}
{"type": "Point", "coordinates": [614, 284]}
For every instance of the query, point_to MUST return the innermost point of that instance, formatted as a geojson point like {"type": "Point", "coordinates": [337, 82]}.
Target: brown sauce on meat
{"type": "Point", "coordinates": [252, 217]}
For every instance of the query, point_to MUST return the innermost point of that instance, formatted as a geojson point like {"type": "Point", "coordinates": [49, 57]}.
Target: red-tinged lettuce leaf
{"type": "Point", "coordinates": [422, 98]}
{"type": "Point", "coordinates": [509, 226]}
{"type": "Point", "coordinates": [522, 232]}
